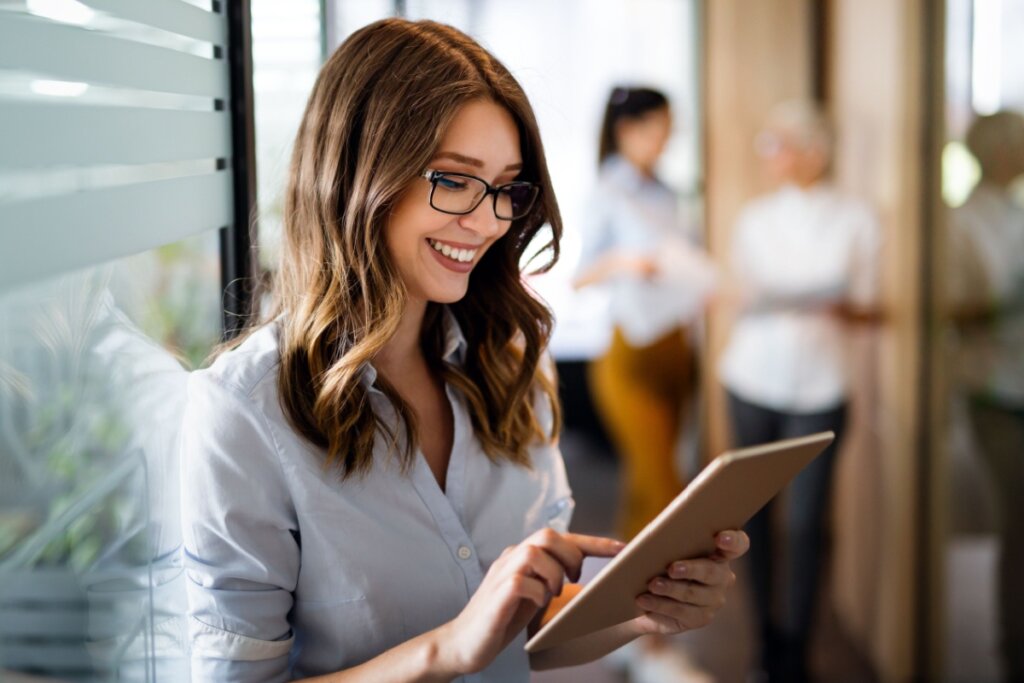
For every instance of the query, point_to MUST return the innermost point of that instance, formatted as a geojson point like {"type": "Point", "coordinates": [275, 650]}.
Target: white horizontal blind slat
{"type": "Point", "coordinates": [71, 53]}
{"type": "Point", "coordinates": [46, 237]}
{"type": "Point", "coordinates": [40, 134]}
{"type": "Point", "coordinates": [175, 16]}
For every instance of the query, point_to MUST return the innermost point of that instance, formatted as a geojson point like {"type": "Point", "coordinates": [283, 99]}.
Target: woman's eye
{"type": "Point", "coordinates": [452, 184]}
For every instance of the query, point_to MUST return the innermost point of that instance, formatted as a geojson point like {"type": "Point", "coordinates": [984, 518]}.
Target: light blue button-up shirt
{"type": "Point", "coordinates": [630, 212]}
{"type": "Point", "coordinates": [293, 572]}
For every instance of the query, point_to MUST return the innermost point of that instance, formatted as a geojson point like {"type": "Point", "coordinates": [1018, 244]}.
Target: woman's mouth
{"type": "Point", "coordinates": [451, 253]}
{"type": "Point", "coordinates": [457, 259]}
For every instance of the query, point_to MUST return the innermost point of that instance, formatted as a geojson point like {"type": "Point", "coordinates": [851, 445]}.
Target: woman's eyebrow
{"type": "Point", "coordinates": [470, 161]}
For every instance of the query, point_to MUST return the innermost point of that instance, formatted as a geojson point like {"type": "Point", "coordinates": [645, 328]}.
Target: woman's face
{"type": "Point", "coordinates": [642, 140]}
{"type": "Point", "coordinates": [483, 141]}
{"type": "Point", "coordinates": [786, 160]}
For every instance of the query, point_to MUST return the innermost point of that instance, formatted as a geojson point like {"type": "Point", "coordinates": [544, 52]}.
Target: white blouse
{"type": "Point", "coordinates": [630, 212]}
{"type": "Point", "coordinates": [293, 572]}
{"type": "Point", "coordinates": [799, 252]}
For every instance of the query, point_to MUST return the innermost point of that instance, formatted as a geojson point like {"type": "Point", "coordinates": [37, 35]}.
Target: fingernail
{"type": "Point", "coordinates": [727, 539]}
{"type": "Point", "coordinates": [645, 601]}
{"type": "Point", "coordinates": [659, 584]}
{"type": "Point", "coordinates": [679, 568]}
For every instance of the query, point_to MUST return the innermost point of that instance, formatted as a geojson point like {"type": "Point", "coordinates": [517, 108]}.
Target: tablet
{"type": "Point", "coordinates": [725, 495]}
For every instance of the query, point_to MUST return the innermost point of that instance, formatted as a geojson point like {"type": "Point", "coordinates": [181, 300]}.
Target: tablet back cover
{"type": "Point", "coordinates": [725, 495]}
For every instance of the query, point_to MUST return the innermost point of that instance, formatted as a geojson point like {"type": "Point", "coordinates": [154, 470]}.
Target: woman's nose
{"type": "Point", "coordinates": [482, 220]}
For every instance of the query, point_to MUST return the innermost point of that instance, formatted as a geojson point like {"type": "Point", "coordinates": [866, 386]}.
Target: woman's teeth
{"type": "Point", "coordinates": [461, 255]}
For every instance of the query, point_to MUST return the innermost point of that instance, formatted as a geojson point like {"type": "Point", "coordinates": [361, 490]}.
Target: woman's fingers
{"type": "Point", "coordinates": [705, 571]}
{"type": "Point", "coordinates": [532, 560]}
{"type": "Point", "coordinates": [560, 548]}
{"type": "Point", "coordinates": [687, 616]}
{"type": "Point", "coordinates": [688, 592]}
{"type": "Point", "coordinates": [552, 556]}
{"type": "Point", "coordinates": [596, 546]}
{"type": "Point", "coordinates": [688, 597]}
{"type": "Point", "coordinates": [523, 587]}
{"type": "Point", "coordinates": [570, 549]}
{"type": "Point", "coordinates": [732, 544]}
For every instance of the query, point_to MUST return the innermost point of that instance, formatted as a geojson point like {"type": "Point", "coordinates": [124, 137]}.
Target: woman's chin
{"type": "Point", "coordinates": [447, 295]}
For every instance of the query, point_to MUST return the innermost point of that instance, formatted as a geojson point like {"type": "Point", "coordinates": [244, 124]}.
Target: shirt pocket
{"type": "Point", "coordinates": [558, 514]}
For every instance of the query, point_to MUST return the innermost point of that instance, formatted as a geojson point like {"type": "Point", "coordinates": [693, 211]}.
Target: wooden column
{"type": "Point", "coordinates": [877, 101]}
{"type": "Point", "coordinates": [756, 55]}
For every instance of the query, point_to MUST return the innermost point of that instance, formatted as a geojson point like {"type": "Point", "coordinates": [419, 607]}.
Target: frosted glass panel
{"type": "Point", "coordinates": [92, 386]}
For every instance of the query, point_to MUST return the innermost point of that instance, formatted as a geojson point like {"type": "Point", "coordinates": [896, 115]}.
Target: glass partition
{"type": "Point", "coordinates": [978, 325]}
{"type": "Point", "coordinates": [93, 370]}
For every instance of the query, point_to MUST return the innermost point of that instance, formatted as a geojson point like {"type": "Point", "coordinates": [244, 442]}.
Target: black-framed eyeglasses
{"type": "Point", "coordinates": [461, 193]}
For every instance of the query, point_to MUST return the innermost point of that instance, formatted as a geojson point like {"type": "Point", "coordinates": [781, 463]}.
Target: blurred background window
{"type": "Point", "coordinates": [288, 49]}
{"type": "Point", "coordinates": [979, 290]}
{"type": "Point", "coordinates": [984, 64]}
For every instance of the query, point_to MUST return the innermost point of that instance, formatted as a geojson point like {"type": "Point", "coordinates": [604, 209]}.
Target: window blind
{"type": "Point", "coordinates": [115, 135]}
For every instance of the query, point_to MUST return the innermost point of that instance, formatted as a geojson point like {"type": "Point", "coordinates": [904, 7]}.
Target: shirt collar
{"type": "Point", "coordinates": [454, 340]}
{"type": "Point", "coordinates": [617, 169]}
{"type": "Point", "coordinates": [822, 186]}
{"type": "Point", "coordinates": [454, 350]}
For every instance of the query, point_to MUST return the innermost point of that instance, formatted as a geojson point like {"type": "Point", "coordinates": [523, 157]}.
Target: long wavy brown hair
{"type": "Point", "coordinates": [376, 116]}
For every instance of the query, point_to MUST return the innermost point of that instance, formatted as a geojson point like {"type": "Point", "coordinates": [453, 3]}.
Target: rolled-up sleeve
{"type": "Point", "coordinates": [240, 538]}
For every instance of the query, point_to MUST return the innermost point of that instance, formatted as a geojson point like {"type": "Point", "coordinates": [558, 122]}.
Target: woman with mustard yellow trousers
{"type": "Point", "coordinates": [636, 246]}
{"type": "Point", "coordinates": [641, 394]}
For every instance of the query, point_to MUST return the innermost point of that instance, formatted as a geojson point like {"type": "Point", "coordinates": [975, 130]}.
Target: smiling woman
{"type": "Point", "coordinates": [456, 227]}
{"type": "Point", "coordinates": [372, 487]}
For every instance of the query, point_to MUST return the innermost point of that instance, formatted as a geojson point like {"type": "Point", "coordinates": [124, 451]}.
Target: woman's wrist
{"type": "Point", "coordinates": [633, 630]}
{"type": "Point", "coordinates": [441, 660]}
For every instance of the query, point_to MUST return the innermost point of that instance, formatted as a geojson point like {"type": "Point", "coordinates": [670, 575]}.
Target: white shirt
{"type": "Point", "coordinates": [293, 572]}
{"type": "Point", "coordinates": [798, 252]}
{"type": "Point", "coordinates": [987, 257]}
{"type": "Point", "coordinates": [636, 214]}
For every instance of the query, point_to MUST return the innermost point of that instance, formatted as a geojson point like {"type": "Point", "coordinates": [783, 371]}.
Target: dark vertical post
{"type": "Point", "coordinates": [238, 239]}
{"type": "Point", "coordinates": [819, 15]}
{"type": "Point", "coordinates": [328, 28]}
{"type": "Point", "coordinates": [927, 667]}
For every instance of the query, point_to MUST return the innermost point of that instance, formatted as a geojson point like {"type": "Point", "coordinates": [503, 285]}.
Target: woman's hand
{"type": "Point", "coordinates": [616, 263]}
{"type": "Point", "coordinates": [641, 265]}
{"type": "Point", "coordinates": [691, 592]}
{"type": "Point", "coordinates": [519, 583]}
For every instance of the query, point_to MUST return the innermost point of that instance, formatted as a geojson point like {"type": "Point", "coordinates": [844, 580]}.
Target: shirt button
{"type": "Point", "coordinates": [464, 553]}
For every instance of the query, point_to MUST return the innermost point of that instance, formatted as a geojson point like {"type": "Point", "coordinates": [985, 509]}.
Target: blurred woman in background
{"type": "Point", "coordinates": [636, 245]}
{"type": "Point", "coordinates": [805, 262]}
